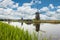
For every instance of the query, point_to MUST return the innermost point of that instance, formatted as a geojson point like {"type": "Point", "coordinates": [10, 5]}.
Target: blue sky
{"type": "Point", "coordinates": [43, 2]}
{"type": "Point", "coordinates": [22, 1]}
{"type": "Point", "coordinates": [15, 9]}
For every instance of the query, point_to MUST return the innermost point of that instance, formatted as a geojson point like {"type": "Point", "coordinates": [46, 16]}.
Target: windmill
{"type": "Point", "coordinates": [36, 21]}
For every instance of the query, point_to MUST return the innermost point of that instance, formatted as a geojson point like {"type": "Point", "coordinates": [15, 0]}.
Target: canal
{"type": "Point", "coordinates": [52, 30]}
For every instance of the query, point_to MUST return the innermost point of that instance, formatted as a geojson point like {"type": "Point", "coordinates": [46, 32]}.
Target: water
{"type": "Point", "coordinates": [50, 29]}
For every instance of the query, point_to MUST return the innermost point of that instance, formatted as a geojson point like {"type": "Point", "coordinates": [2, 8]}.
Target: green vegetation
{"type": "Point", "coordinates": [8, 32]}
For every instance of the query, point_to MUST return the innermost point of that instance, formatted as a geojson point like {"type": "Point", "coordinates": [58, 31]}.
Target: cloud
{"type": "Point", "coordinates": [1, 10]}
{"type": "Point", "coordinates": [25, 11]}
{"type": "Point", "coordinates": [27, 4]}
{"type": "Point", "coordinates": [58, 10]}
{"type": "Point", "coordinates": [50, 15]}
{"type": "Point", "coordinates": [51, 6]}
{"type": "Point", "coordinates": [4, 13]}
{"type": "Point", "coordinates": [58, 7]}
{"type": "Point", "coordinates": [44, 9]}
{"type": "Point", "coordinates": [8, 4]}
{"type": "Point", "coordinates": [43, 17]}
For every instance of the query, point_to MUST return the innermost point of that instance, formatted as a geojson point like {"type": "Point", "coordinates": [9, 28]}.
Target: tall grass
{"type": "Point", "coordinates": [8, 32]}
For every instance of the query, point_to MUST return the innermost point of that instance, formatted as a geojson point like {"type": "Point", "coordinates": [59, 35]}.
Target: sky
{"type": "Point", "coordinates": [16, 9]}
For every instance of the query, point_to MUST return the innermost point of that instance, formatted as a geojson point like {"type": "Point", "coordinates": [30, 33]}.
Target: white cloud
{"type": "Point", "coordinates": [1, 10]}
{"type": "Point", "coordinates": [6, 17]}
{"type": "Point", "coordinates": [8, 3]}
{"type": "Point", "coordinates": [27, 4]}
{"type": "Point", "coordinates": [26, 11]}
{"type": "Point", "coordinates": [43, 17]}
{"type": "Point", "coordinates": [58, 10]}
{"type": "Point", "coordinates": [51, 5]}
{"type": "Point", "coordinates": [50, 15]}
{"type": "Point", "coordinates": [44, 9]}
{"type": "Point", "coordinates": [7, 11]}
{"type": "Point", "coordinates": [58, 7]}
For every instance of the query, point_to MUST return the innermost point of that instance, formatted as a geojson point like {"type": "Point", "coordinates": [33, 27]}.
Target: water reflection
{"type": "Point", "coordinates": [51, 29]}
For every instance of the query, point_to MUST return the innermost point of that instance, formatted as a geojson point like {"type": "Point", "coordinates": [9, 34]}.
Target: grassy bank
{"type": "Point", "coordinates": [8, 32]}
